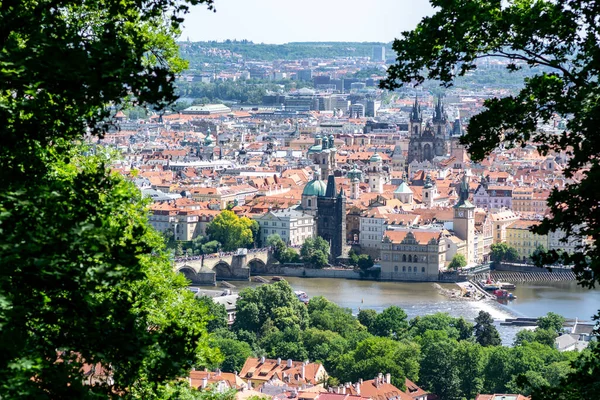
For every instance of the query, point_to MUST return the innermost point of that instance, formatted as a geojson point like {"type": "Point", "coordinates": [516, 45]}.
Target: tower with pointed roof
{"type": "Point", "coordinates": [331, 218]}
{"type": "Point", "coordinates": [464, 219]}
{"type": "Point", "coordinates": [416, 119]}
{"type": "Point", "coordinates": [429, 192]}
{"type": "Point", "coordinates": [426, 144]}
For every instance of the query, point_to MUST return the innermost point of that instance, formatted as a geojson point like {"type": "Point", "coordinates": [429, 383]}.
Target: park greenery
{"type": "Point", "coordinates": [445, 355]}
{"type": "Point", "coordinates": [315, 252]}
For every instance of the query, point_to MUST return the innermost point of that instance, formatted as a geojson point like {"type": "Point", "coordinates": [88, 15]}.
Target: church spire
{"type": "Point", "coordinates": [415, 114]}
{"type": "Point", "coordinates": [330, 192]}
{"type": "Point", "coordinates": [463, 194]}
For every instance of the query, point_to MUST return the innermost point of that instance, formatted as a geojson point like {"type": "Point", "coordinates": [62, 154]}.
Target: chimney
{"type": "Point", "coordinates": [344, 390]}
{"type": "Point", "coordinates": [278, 361]}
{"type": "Point", "coordinates": [358, 387]}
{"type": "Point", "coordinates": [204, 383]}
{"type": "Point", "coordinates": [388, 378]}
{"type": "Point", "coordinates": [289, 363]}
{"type": "Point", "coordinates": [380, 377]}
{"type": "Point", "coordinates": [303, 371]}
{"type": "Point", "coordinates": [262, 360]}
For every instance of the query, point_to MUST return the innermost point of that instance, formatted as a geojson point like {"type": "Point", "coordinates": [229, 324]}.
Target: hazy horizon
{"type": "Point", "coordinates": [277, 22]}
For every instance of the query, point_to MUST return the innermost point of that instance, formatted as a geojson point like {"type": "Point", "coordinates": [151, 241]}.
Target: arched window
{"type": "Point", "coordinates": [422, 269]}
{"type": "Point", "coordinates": [415, 258]}
{"type": "Point", "coordinates": [409, 258]}
{"type": "Point", "coordinates": [426, 194]}
{"type": "Point", "coordinates": [309, 202]}
{"type": "Point", "coordinates": [396, 268]}
{"type": "Point", "coordinates": [409, 269]}
{"type": "Point", "coordinates": [404, 268]}
{"type": "Point", "coordinates": [323, 161]}
{"type": "Point", "coordinates": [403, 257]}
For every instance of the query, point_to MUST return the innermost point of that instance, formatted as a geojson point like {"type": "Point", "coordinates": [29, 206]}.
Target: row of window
{"type": "Point", "coordinates": [410, 258]}
{"type": "Point", "coordinates": [410, 269]}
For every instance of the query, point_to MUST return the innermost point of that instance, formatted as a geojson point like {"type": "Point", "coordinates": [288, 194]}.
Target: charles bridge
{"type": "Point", "coordinates": [238, 265]}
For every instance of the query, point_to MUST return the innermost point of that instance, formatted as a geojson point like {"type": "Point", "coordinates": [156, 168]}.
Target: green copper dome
{"type": "Point", "coordinates": [375, 157]}
{"type": "Point", "coordinates": [314, 188]}
{"type": "Point", "coordinates": [208, 140]}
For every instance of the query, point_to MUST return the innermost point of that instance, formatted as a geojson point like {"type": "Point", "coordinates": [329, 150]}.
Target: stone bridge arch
{"type": "Point", "coordinates": [223, 270]}
{"type": "Point", "coordinates": [257, 266]}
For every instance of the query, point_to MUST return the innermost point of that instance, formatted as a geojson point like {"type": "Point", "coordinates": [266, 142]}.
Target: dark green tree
{"type": "Point", "coordinates": [85, 279]}
{"type": "Point", "coordinates": [552, 322]}
{"type": "Point", "coordinates": [276, 303]}
{"type": "Point", "coordinates": [486, 333]}
{"type": "Point", "coordinates": [216, 313]}
{"type": "Point", "coordinates": [328, 316]}
{"type": "Point", "coordinates": [235, 353]}
{"type": "Point", "coordinates": [367, 318]}
{"type": "Point", "coordinates": [439, 368]}
{"type": "Point", "coordinates": [391, 322]}
{"type": "Point", "coordinates": [380, 355]}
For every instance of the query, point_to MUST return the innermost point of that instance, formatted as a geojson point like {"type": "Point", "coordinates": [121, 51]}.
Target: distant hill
{"type": "Point", "coordinates": [207, 52]}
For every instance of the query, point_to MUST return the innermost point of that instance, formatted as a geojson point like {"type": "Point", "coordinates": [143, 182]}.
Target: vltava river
{"type": "Point", "coordinates": [533, 299]}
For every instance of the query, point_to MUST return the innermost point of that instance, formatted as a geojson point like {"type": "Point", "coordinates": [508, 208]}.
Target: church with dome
{"type": "Point", "coordinates": [321, 198]}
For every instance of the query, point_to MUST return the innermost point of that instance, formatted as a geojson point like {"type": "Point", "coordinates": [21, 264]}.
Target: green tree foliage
{"type": "Point", "coordinates": [216, 315]}
{"type": "Point", "coordinates": [324, 346]}
{"type": "Point", "coordinates": [470, 359]}
{"type": "Point", "coordinates": [367, 318]}
{"type": "Point", "coordinates": [486, 333]}
{"type": "Point", "coordinates": [85, 278]}
{"type": "Point", "coordinates": [235, 353]}
{"type": "Point", "coordinates": [458, 261]}
{"type": "Point", "coordinates": [391, 322]}
{"type": "Point", "coordinates": [552, 322]}
{"type": "Point", "coordinates": [276, 303]}
{"type": "Point", "coordinates": [315, 251]}
{"type": "Point", "coordinates": [328, 316]}
{"type": "Point", "coordinates": [559, 39]}
{"type": "Point", "coordinates": [281, 252]}
{"type": "Point", "coordinates": [440, 372]}
{"type": "Point", "coordinates": [364, 262]}
{"type": "Point", "coordinates": [380, 355]}
{"type": "Point", "coordinates": [231, 231]}
{"type": "Point", "coordinates": [455, 328]}
{"type": "Point", "coordinates": [502, 252]}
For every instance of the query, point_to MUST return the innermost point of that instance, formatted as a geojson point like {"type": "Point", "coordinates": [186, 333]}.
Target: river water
{"type": "Point", "coordinates": [533, 299]}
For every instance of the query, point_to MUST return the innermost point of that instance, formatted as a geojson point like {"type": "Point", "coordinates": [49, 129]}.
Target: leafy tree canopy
{"type": "Point", "coordinates": [275, 303]}
{"type": "Point", "coordinates": [85, 278]}
{"type": "Point", "coordinates": [231, 231]}
{"type": "Point", "coordinates": [486, 333]}
{"type": "Point", "coordinates": [458, 261]}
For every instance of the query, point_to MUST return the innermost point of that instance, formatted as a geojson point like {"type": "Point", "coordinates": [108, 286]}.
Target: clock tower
{"type": "Point", "coordinates": [464, 219]}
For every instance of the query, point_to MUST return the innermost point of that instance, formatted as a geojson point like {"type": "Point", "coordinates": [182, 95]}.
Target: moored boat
{"type": "Point", "coordinates": [504, 294]}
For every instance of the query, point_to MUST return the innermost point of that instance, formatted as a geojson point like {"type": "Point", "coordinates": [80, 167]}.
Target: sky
{"type": "Point", "coordinates": [283, 21]}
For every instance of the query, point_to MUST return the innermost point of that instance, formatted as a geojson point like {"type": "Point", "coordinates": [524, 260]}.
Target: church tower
{"type": "Point", "coordinates": [429, 192]}
{"type": "Point", "coordinates": [375, 173]}
{"type": "Point", "coordinates": [464, 219]}
{"type": "Point", "coordinates": [416, 119]}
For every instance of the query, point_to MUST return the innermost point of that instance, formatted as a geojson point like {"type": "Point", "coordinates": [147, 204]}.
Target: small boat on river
{"type": "Point", "coordinates": [503, 294]}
